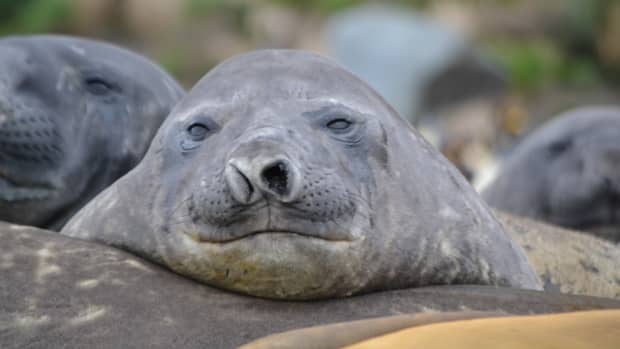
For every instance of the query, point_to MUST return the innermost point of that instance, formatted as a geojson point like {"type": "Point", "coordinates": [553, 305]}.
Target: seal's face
{"type": "Point", "coordinates": [74, 116]}
{"type": "Point", "coordinates": [282, 175]}
{"type": "Point", "coordinates": [283, 208]}
{"type": "Point", "coordinates": [567, 173]}
{"type": "Point", "coordinates": [583, 176]}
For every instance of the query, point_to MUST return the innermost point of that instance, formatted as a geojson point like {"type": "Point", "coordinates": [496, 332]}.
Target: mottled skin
{"type": "Point", "coordinates": [567, 261]}
{"type": "Point", "coordinates": [75, 115]}
{"type": "Point", "coordinates": [282, 175]}
{"type": "Point", "coordinates": [566, 173]}
{"type": "Point", "coordinates": [58, 292]}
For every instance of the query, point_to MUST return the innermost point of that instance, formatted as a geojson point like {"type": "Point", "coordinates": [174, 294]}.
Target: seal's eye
{"type": "Point", "coordinates": [98, 86]}
{"type": "Point", "coordinates": [197, 131]}
{"type": "Point", "coordinates": [339, 125]}
{"type": "Point", "coordinates": [559, 147]}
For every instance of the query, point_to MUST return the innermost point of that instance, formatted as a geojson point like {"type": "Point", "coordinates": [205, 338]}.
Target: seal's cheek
{"type": "Point", "coordinates": [277, 265]}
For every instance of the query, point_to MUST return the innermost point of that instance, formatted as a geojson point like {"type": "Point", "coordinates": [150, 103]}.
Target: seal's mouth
{"type": "Point", "coordinates": [13, 192]}
{"type": "Point", "coordinates": [275, 232]}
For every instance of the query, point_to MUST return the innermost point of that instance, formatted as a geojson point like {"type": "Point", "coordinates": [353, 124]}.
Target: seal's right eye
{"type": "Point", "coordinates": [197, 131]}
{"type": "Point", "coordinates": [560, 146]}
{"type": "Point", "coordinates": [339, 124]}
{"type": "Point", "coordinates": [97, 86]}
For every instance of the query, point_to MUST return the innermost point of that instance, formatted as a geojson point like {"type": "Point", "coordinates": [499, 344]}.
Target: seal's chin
{"type": "Point", "coordinates": [200, 238]}
{"type": "Point", "coordinates": [277, 265]}
{"type": "Point", "coordinates": [12, 192]}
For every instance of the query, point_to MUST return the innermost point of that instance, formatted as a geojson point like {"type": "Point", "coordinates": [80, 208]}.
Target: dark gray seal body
{"type": "Point", "coordinates": [63, 292]}
{"type": "Point", "coordinates": [566, 173]}
{"type": "Point", "coordinates": [75, 115]}
{"type": "Point", "coordinates": [282, 175]}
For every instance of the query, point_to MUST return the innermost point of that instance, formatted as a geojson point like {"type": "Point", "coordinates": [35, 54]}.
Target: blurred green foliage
{"type": "Point", "coordinates": [206, 7]}
{"type": "Point", "coordinates": [32, 16]}
{"type": "Point", "coordinates": [566, 56]}
{"type": "Point", "coordinates": [234, 12]}
{"type": "Point", "coordinates": [534, 64]}
{"type": "Point", "coordinates": [320, 5]}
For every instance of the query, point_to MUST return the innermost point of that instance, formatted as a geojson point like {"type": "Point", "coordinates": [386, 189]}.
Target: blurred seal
{"type": "Point", "coordinates": [75, 115]}
{"type": "Point", "coordinates": [566, 173]}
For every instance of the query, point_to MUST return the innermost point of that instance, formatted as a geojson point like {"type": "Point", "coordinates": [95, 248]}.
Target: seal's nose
{"type": "Point", "coordinates": [610, 170]}
{"type": "Point", "coordinates": [274, 178]}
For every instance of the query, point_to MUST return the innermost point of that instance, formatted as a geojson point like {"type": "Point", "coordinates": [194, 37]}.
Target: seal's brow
{"type": "Point", "coordinates": [205, 108]}
{"type": "Point", "coordinates": [328, 106]}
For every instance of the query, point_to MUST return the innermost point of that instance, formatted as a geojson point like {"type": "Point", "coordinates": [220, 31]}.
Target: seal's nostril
{"type": "Point", "coordinates": [239, 183]}
{"type": "Point", "coordinates": [276, 178]}
{"type": "Point", "coordinates": [250, 187]}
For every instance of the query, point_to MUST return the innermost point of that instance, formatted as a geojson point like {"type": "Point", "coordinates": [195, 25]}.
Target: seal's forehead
{"type": "Point", "coordinates": [67, 47]}
{"type": "Point", "coordinates": [54, 51]}
{"type": "Point", "coordinates": [281, 74]}
{"type": "Point", "coordinates": [590, 119]}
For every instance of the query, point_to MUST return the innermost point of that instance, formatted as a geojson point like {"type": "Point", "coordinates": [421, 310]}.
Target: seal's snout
{"type": "Point", "coordinates": [603, 164]}
{"type": "Point", "coordinates": [250, 179]}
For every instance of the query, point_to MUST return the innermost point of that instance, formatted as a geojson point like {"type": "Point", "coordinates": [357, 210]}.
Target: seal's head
{"type": "Point", "coordinates": [75, 115]}
{"type": "Point", "coordinates": [566, 173]}
{"type": "Point", "coordinates": [282, 175]}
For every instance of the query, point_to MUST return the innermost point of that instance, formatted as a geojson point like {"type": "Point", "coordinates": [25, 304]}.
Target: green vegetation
{"type": "Point", "coordinates": [33, 16]}
{"type": "Point", "coordinates": [535, 64]}
{"type": "Point", "coordinates": [205, 7]}
{"type": "Point", "coordinates": [565, 54]}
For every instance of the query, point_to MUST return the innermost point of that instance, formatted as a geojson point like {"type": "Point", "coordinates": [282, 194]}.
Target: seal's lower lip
{"type": "Point", "coordinates": [200, 239]}
{"type": "Point", "coordinates": [11, 192]}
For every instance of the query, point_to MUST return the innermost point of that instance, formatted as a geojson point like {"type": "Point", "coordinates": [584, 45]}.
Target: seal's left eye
{"type": "Point", "coordinates": [98, 86]}
{"type": "Point", "coordinates": [339, 124]}
{"type": "Point", "coordinates": [197, 131]}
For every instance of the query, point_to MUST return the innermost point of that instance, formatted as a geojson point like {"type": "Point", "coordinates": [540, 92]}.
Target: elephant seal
{"type": "Point", "coordinates": [567, 261]}
{"type": "Point", "coordinates": [566, 173]}
{"type": "Point", "coordinates": [345, 333]}
{"type": "Point", "coordinates": [577, 330]}
{"type": "Point", "coordinates": [282, 175]}
{"type": "Point", "coordinates": [62, 292]}
{"type": "Point", "coordinates": [75, 115]}
{"type": "Point", "coordinates": [583, 329]}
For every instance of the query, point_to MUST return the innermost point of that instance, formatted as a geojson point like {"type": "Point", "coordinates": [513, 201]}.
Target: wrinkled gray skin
{"type": "Point", "coordinates": [58, 292]}
{"type": "Point", "coordinates": [75, 115]}
{"type": "Point", "coordinates": [566, 173]}
{"type": "Point", "coordinates": [282, 175]}
{"type": "Point", "coordinates": [567, 261]}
